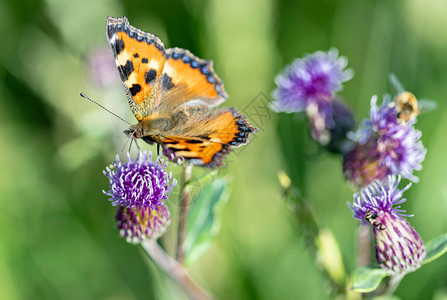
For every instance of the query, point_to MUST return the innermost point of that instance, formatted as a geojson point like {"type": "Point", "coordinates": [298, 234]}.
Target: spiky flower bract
{"type": "Point", "coordinates": [137, 224]}
{"type": "Point", "coordinates": [399, 248]}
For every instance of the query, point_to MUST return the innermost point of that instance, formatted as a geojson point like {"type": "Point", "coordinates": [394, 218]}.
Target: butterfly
{"type": "Point", "coordinates": [172, 93]}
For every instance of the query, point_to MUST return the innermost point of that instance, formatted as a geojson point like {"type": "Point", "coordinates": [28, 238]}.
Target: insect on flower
{"type": "Point", "coordinates": [399, 248]}
{"type": "Point", "coordinates": [172, 94]}
{"type": "Point", "coordinates": [371, 218]}
{"type": "Point", "coordinates": [385, 145]}
{"type": "Point", "coordinates": [406, 106]}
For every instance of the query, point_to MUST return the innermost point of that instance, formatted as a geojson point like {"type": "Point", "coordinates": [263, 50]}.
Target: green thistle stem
{"type": "Point", "coordinates": [364, 245]}
{"type": "Point", "coordinates": [316, 237]}
{"type": "Point", "coordinates": [173, 269]}
{"type": "Point", "coordinates": [183, 212]}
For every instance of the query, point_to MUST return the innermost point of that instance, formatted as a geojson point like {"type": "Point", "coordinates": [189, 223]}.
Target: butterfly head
{"type": "Point", "coordinates": [134, 131]}
{"type": "Point", "coordinates": [148, 128]}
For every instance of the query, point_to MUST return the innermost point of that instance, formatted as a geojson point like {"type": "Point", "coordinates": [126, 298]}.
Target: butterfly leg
{"type": "Point", "coordinates": [130, 145]}
{"type": "Point", "coordinates": [158, 149]}
{"type": "Point", "coordinates": [122, 150]}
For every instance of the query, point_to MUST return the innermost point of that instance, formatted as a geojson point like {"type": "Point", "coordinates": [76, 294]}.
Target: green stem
{"type": "Point", "coordinates": [364, 245]}
{"type": "Point", "coordinates": [312, 232]}
{"type": "Point", "coordinates": [183, 212]}
{"type": "Point", "coordinates": [393, 283]}
{"type": "Point", "coordinates": [175, 270]}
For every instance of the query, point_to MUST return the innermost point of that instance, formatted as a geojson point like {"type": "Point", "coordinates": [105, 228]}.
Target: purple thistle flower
{"type": "Point", "coordinates": [138, 224]}
{"type": "Point", "coordinates": [139, 184]}
{"type": "Point", "coordinates": [399, 248]}
{"type": "Point", "coordinates": [380, 197]}
{"type": "Point", "coordinates": [171, 156]}
{"type": "Point", "coordinates": [309, 84]}
{"type": "Point", "coordinates": [311, 80]}
{"type": "Point", "coordinates": [361, 165]}
{"type": "Point", "coordinates": [385, 145]}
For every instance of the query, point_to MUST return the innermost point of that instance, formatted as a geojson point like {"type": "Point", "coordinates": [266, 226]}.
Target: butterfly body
{"type": "Point", "coordinates": [173, 95]}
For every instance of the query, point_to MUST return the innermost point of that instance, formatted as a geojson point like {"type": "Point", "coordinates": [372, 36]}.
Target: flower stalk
{"type": "Point", "coordinates": [320, 241]}
{"type": "Point", "coordinates": [183, 212]}
{"type": "Point", "coordinates": [364, 245]}
{"type": "Point", "coordinates": [174, 270]}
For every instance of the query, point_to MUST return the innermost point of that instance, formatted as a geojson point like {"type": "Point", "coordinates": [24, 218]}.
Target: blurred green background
{"type": "Point", "coordinates": [58, 236]}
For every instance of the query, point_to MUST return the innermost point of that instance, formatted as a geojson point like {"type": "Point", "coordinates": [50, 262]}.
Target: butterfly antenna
{"type": "Point", "coordinates": [160, 160]}
{"type": "Point", "coordinates": [84, 96]}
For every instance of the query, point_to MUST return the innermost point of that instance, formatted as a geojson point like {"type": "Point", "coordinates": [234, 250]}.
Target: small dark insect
{"type": "Point", "coordinates": [371, 218]}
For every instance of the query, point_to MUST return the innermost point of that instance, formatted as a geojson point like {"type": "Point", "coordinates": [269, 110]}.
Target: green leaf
{"type": "Point", "coordinates": [396, 85]}
{"type": "Point", "coordinates": [435, 248]}
{"type": "Point", "coordinates": [367, 279]}
{"type": "Point", "coordinates": [295, 151]}
{"type": "Point", "coordinates": [204, 216]}
{"type": "Point", "coordinates": [387, 297]}
{"type": "Point", "coordinates": [206, 176]}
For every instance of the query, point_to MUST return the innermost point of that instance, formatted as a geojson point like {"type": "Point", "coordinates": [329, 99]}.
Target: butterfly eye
{"type": "Point", "coordinates": [129, 132]}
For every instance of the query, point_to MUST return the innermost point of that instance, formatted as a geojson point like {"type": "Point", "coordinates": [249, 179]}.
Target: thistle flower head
{"type": "Point", "coordinates": [396, 146]}
{"type": "Point", "coordinates": [312, 79]}
{"type": "Point", "coordinates": [379, 197]}
{"type": "Point", "coordinates": [383, 119]}
{"type": "Point", "coordinates": [362, 164]}
{"type": "Point", "coordinates": [399, 248]}
{"type": "Point", "coordinates": [309, 85]}
{"type": "Point", "coordinates": [141, 183]}
{"type": "Point", "coordinates": [138, 224]}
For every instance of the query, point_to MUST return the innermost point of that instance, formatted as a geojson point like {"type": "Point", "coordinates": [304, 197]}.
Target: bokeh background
{"type": "Point", "coordinates": [58, 236]}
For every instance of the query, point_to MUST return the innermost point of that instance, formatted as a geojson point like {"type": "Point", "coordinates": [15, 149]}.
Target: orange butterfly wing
{"type": "Point", "coordinates": [201, 85]}
{"type": "Point", "coordinates": [226, 129]}
{"type": "Point", "coordinates": [140, 58]}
